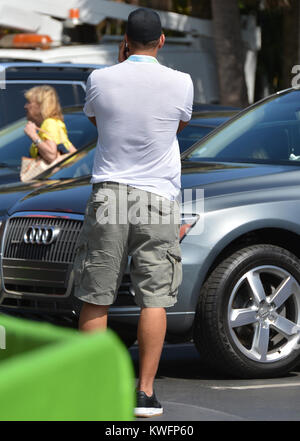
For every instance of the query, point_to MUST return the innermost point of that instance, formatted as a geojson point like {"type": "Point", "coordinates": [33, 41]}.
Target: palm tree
{"type": "Point", "coordinates": [291, 42]}
{"type": "Point", "coordinates": [280, 23]}
{"type": "Point", "coordinates": [201, 9]}
{"type": "Point", "coordinates": [229, 52]}
{"type": "Point", "coordinates": [290, 37]}
{"type": "Point", "coordinates": [164, 5]}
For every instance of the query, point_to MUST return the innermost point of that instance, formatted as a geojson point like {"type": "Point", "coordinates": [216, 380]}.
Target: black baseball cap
{"type": "Point", "coordinates": [143, 25]}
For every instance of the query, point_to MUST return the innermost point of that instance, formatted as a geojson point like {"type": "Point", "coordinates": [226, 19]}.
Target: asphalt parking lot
{"type": "Point", "coordinates": [189, 393]}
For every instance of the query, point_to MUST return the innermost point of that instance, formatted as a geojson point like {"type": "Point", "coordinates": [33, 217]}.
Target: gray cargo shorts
{"type": "Point", "coordinates": [122, 221]}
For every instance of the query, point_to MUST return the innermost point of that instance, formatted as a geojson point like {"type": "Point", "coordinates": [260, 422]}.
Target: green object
{"type": "Point", "coordinates": [49, 373]}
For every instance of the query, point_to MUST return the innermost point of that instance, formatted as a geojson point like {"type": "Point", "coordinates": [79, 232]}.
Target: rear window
{"type": "Point", "coordinates": [12, 99]}
{"type": "Point", "coordinates": [14, 143]}
{"type": "Point", "coordinates": [191, 134]}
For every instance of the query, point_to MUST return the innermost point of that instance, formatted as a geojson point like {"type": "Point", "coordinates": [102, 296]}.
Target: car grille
{"type": "Point", "coordinates": [60, 251]}
{"type": "Point", "coordinates": [38, 268]}
{"type": "Point", "coordinates": [44, 269]}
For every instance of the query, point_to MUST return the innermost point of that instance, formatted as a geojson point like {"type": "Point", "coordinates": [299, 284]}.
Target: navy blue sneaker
{"type": "Point", "coordinates": [147, 406]}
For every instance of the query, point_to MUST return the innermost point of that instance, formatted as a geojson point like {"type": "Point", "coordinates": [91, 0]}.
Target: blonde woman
{"type": "Point", "coordinates": [46, 127]}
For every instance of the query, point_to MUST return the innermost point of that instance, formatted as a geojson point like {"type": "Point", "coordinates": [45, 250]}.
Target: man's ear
{"type": "Point", "coordinates": [162, 40]}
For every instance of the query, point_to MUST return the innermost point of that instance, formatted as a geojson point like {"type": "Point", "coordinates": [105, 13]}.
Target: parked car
{"type": "Point", "coordinates": [201, 125]}
{"type": "Point", "coordinates": [202, 107]}
{"type": "Point", "coordinates": [69, 80]}
{"type": "Point", "coordinates": [79, 164]}
{"type": "Point", "coordinates": [240, 296]}
{"type": "Point", "coordinates": [14, 143]}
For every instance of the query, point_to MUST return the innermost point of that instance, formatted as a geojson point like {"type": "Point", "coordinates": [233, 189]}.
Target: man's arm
{"type": "Point", "coordinates": [93, 120]}
{"type": "Point", "coordinates": [182, 125]}
{"type": "Point", "coordinates": [187, 109]}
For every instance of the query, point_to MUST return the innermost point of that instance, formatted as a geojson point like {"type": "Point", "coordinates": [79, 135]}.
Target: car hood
{"type": "Point", "coordinates": [68, 195]}
{"type": "Point", "coordinates": [9, 175]}
{"type": "Point", "coordinates": [223, 178]}
{"type": "Point", "coordinates": [12, 193]}
{"type": "Point", "coordinates": [216, 179]}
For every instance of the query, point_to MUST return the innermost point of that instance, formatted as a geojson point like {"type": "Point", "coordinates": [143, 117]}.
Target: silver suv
{"type": "Point", "coordinates": [240, 296]}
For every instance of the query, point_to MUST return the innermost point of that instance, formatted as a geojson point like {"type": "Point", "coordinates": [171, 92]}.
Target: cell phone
{"type": "Point", "coordinates": [62, 149]}
{"type": "Point", "coordinates": [126, 50]}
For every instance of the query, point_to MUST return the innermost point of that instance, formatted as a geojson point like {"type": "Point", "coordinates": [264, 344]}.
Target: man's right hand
{"type": "Point", "coordinates": [122, 52]}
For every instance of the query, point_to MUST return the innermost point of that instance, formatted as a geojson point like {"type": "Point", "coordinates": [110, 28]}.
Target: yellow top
{"type": "Point", "coordinates": [55, 130]}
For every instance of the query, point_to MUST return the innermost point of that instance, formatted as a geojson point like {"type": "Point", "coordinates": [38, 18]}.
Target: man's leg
{"type": "Point", "coordinates": [93, 317]}
{"type": "Point", "coordinates": [151, 335]}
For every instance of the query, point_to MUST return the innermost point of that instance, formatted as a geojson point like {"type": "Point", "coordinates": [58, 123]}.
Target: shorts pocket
{"type": "Point", "coordinates": [174, 256]}
{"type": "Point", "coordinates": [160, 206]}
{"type": "Point", "coordinates": [79, 262]}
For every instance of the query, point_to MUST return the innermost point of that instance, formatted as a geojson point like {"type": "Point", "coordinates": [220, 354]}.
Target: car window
{"type": "Point", "coordinates": [13, 101]}
{"type": "Point", "coordinates": [14, 143]}
{"type": "Point", "coordinates": [268, 132]}
{"type": "Point", "coordinates": [78, 165]}
{"type": "Point", "coordinates": [81, 131]}
{"type": "Point", "coordinates": [191, 134]}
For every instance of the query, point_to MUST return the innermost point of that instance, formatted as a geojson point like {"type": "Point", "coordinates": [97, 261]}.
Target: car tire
{"type": "Point", "coordinates": [247, 322]}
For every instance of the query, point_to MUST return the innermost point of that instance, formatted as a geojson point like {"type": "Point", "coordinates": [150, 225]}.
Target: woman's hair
{"type": "Point", "coordinates": [47, 98]}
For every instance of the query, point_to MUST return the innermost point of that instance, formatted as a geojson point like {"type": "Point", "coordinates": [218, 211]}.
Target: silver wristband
{"type": "Point", "coordinates": [37, 141]}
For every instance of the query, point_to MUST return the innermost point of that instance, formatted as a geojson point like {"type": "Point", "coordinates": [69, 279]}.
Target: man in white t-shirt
{"type": "Point", "coordinates": [138, 106]}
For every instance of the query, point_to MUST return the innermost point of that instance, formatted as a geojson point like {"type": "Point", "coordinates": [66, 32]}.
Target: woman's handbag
{"type": "Point", "coordinates": [32, 167]}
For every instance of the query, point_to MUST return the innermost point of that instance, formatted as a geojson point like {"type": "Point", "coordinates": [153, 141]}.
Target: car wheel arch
{"type": "Point", "coordinates": [245, 235]}
{"type": "Point", "coordinates": [235, 354]}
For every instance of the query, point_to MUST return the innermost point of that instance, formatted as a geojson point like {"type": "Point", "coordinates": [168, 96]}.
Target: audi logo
{"type": "Point", "coordinates": [41, 235]}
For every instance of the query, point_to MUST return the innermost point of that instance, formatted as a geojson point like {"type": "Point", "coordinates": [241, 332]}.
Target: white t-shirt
{"type": "Point", "coordinates": [138, 105]}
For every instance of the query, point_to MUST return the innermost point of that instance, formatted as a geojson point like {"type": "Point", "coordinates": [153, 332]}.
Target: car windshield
{"type": "Point", "coordinates": [78, 165]}
{"type": "Point", "coordinates": [14, 143]}
{"type": "Point", "coordinates": [268, 132]}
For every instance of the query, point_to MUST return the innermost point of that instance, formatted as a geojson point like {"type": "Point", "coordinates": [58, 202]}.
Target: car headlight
{"type": "Point", "coordinates": [2, 228]}
{"type": "Point", "coordinates": [188, 221]}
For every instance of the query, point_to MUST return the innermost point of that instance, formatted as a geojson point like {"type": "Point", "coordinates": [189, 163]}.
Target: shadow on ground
{"type": "Point", "coordinates": [183, 361]}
